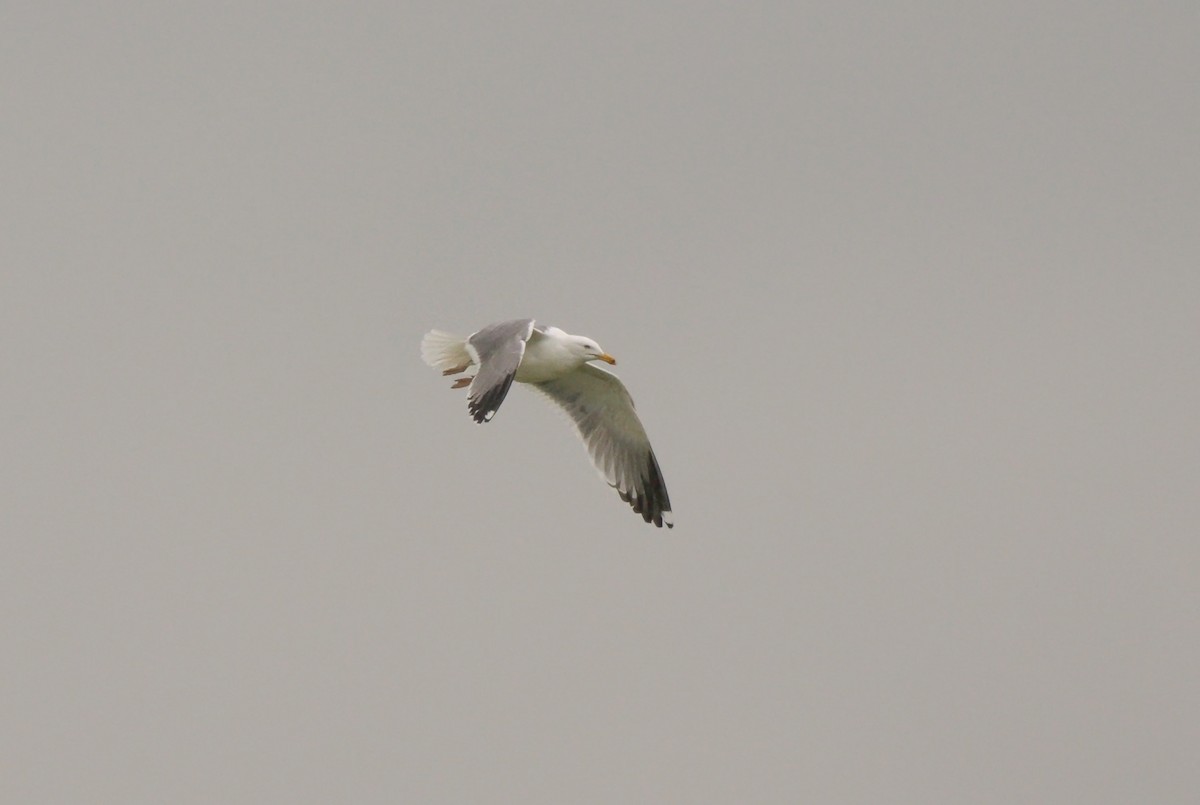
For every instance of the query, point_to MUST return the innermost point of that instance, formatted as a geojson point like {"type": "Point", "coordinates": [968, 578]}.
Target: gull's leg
{"type": "Point", "coordinates": [462, 381]}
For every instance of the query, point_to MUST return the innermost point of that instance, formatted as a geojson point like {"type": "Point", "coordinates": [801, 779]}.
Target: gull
{"type": "Point", "coordinates": [558, 364]}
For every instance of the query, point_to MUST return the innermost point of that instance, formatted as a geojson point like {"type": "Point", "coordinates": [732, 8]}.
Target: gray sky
{"type": "Point", "coordinates": [907, 296]}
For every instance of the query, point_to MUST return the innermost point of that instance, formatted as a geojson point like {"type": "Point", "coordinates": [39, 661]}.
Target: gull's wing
{"type": "Point", "coordinates": [603, 414]}
{"type": "Point", "coordinates": [497, 350]}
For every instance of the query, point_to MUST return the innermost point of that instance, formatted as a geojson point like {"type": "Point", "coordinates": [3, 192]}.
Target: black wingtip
{"type": "Point", "coordinates": [484, 406]}
{"type": "Point", "coordinates": [653, 504]}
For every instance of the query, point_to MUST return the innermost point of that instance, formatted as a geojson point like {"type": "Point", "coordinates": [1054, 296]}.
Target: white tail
{"type": "Point", "coordinates": [444, 351]}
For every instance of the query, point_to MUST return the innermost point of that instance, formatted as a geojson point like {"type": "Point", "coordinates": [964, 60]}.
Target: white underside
{"type": "Point", "coordinates": [546, 358]}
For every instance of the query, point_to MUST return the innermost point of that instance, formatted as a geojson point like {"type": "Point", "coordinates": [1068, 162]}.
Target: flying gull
{"type": "Point", "coordinates": [558, 365]}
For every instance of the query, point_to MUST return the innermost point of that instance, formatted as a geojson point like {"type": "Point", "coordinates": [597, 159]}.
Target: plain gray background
{"type": "Point", "coordinates": [907, 295]}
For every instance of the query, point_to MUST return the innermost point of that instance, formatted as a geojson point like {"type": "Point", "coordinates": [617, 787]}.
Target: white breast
{"type": "Point", "coordinates": [546, 358]}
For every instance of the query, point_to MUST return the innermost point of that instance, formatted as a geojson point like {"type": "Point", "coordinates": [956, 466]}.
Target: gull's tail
{"type": "Point", "coordinates": [445, 351]}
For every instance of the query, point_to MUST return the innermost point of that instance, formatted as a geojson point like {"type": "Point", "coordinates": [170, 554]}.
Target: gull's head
{"type": "Point", "coordinates": [589, 350]}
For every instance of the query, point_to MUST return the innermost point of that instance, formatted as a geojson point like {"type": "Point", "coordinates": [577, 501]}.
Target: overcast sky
{"type": "Point", "coordinates": [908, 298]}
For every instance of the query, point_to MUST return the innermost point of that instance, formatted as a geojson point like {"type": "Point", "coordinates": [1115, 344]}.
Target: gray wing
{"type": "Point", "coordinates": [497, 349]}
{"type": "Point", "coordinates": [616, 441]}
